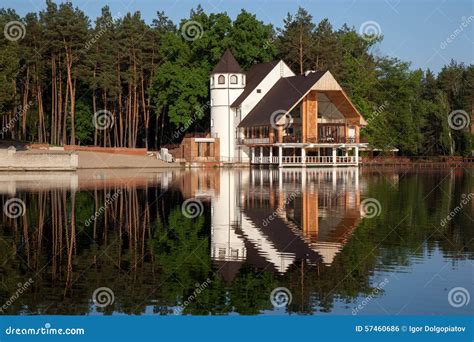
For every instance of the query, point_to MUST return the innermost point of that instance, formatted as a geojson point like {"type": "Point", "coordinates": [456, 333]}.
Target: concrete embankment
{"type": "Point", "coordinates": [37, 160]}
{"type": "Point", "coordinates": [69, 159]}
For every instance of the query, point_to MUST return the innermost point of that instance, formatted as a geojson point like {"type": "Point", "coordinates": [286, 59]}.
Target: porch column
{"type": "Point", "coordinates": [280, 156]}
{"type": "Point", "coordinates": [261, 154]}
{"type": "Point", "coordinates": [303, 156]}
{"type": "Point", "coordinates": [253, 154]}
{"type": "Point", "coordinates": [280, 134]}
{"type": "Point", "coordinates": [271, 154]}
{"type": "Point", "coordinates": [334, 155]}
{"type": "Point", "coordinates": [356, 155]}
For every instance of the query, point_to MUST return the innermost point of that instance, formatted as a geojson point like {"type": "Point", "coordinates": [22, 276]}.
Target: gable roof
{"type": "Point", "coordinates": [227, 64]}
{"type": "Point", "coordinates": [282, 96]}
{"type": "Point", "coordinates": [254, 76]}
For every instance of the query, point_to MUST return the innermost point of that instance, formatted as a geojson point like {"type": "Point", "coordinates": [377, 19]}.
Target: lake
{"type": "Point", "coordinates": [343, 241]}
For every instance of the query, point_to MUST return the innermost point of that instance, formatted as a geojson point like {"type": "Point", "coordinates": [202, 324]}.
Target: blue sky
{"type": "Point", "coordinates": [413, 30]}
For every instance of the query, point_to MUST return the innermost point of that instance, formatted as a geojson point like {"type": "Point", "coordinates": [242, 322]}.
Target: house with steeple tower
{"type": "Point", "coordinates": [268, 115]}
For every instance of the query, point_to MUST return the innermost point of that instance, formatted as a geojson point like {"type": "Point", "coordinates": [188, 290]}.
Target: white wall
{"type": "Point", "coordinates": [225, 211]}
{"type": "Point", "coordinates": [222, 116]}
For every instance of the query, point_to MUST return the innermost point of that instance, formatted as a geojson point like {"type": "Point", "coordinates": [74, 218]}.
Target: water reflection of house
{"type": "Point", "coordinates": [197, 183]}
{"type": "Point", "coordinates": [272, 218]}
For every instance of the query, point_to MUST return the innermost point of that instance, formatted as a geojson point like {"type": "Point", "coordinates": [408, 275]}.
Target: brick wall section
{"type": "Point", "coordinates": [189, 150]}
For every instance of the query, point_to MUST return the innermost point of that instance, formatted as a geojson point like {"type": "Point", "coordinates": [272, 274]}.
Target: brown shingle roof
{"type": "Point", "coordinates": [254, 76]}
{"type": "Point", "coordinates": [227, 64]}
{"type": "Point", "coordinates": [283, 95]}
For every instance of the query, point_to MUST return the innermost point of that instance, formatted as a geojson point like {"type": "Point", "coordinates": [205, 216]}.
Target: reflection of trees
{"type": "Point", "coordinates": [149, 254]}
{"type": "Point", "coordinates": [181, 249]}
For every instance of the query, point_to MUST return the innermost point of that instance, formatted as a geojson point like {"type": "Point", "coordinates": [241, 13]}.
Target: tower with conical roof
{"type": "Point", "coordinates": [227, 82]}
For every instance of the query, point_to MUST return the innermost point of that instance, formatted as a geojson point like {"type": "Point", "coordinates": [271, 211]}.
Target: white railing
{"type": "Point", "coordinates": [257, 141]}
{"type": "Point", "coordinates": [266, 160]}
{"type": "Point", "coordinates": [291, 160]}
{"type": "Point", "coordinates": [345, 160]}
{"type": "Point", "coordinates": [319, 160]}
{"type": "Point", "coordinates": [309, 160]}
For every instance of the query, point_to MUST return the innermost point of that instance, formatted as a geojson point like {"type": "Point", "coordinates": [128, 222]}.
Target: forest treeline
{"type": "Point", "coordinates": [118, 81]}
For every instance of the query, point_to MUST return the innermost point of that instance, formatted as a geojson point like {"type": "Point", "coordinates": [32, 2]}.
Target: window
{"type": "Point", "coordinates": [212, 80]}
{"type": "Point", "coordinates": [243, 79]}
{"type": "Point", "coordinates": [259, 91]}
{"type": "Point", "coordinates": [222, 252]}
{"type": "Point", "coordinates": [233, 79]}
{"type": "Point", "coordinates": [221, 79]}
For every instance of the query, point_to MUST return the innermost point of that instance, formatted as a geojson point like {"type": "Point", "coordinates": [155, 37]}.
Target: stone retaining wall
{"type": "Point", "coordinates": [10, 159]}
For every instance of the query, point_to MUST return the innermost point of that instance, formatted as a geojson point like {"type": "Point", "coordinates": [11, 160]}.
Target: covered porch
{"type": "Point", "coordinates": [302, 154]}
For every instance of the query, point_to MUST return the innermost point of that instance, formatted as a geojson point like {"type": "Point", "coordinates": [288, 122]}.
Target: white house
{"type": "Point", "coordinates": [269, 115]}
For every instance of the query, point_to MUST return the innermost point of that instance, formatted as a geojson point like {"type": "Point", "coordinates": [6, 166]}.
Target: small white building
{"type": "Point", "coordinates": [269, 115]}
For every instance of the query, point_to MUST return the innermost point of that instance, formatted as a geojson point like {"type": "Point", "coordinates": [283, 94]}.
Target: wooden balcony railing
{"type": "Point", "coordinates": [291, 139]}
{"type": "Point", "coordinates": [336, 139]}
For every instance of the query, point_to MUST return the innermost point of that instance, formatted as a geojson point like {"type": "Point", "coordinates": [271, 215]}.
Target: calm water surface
{"type": "Point", "coordinates": [342, 241]}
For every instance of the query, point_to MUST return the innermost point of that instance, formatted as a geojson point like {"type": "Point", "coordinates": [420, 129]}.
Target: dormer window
{"type": "Point", "coordinates": [259, 91]}
{"type": "Point", "coordinates": [233, 79]}
{"type": "Point", "coordinates": [243, 80]}
{"type": "Point", "coordinates": [212, 80]}
{"type": "Point", "coordinates": [221, 79]}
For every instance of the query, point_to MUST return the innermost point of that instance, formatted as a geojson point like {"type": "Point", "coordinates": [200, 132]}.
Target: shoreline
{"type": "Point", "coordinates": [70, 160]}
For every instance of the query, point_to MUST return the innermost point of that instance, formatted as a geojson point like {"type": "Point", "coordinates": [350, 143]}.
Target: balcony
{"type": "Point", "coordinates": [291, 139]}
{"type": "Point", "coordinates": [328, 139]}
{"type": "Point", "coordinates": [254, 141]}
